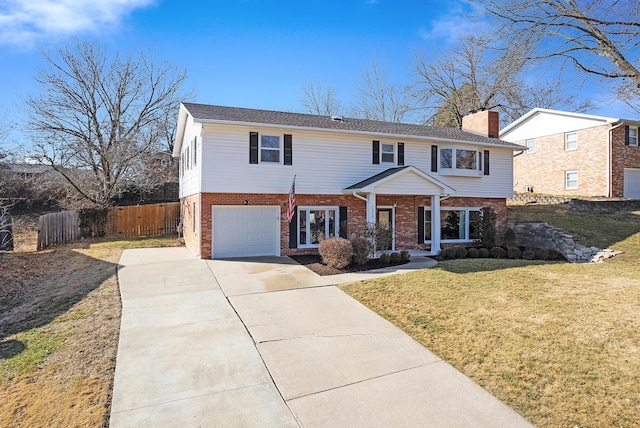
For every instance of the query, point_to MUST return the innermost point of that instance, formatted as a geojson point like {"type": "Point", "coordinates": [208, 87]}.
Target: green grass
{"type": "Point", "coordinates": [31, 349]}
{"type": "Point", "coordinates": [558, 342]}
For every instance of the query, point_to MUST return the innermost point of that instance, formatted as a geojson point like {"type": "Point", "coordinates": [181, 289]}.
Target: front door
{"type": "Point", "coordinates": [384, 226]}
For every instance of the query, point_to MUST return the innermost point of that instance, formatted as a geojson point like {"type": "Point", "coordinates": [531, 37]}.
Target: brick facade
{"type": "Point", "coordinates": [486, 123]}
{"type": "Point", "coordinates": [544, 169]}
{"type": "Point", "coordinates": [406, 215]}
{"type": "Point", "coordinates": [622, 157]}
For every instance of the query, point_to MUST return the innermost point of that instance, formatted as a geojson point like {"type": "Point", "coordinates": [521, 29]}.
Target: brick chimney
{"type": "Point", "coordinates": [485, 123]}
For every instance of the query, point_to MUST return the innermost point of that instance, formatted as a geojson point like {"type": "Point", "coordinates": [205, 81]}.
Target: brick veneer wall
{"type": "Point", "coordinates": [621, 157]}
{"type": "Point", "coordinates": [406, 215]}
{"type": "Point", "coordinates": [189, 216]}
{"type": "Point", "coordinates": [545, 168]}
{"type": "Point", "coordinates": [486, 123]}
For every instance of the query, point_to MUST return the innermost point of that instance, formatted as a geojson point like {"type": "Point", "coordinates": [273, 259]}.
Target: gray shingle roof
{"type": "Point", "coordinates": [205, 112]}
{"type": "Point", "coordinates": [375, 178]}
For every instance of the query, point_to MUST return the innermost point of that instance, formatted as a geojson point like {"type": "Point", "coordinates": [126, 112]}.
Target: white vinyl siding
{"type": "Point", "coordinates": [190, 179]}
{"type": "Point", "coordinates": [326, 163]}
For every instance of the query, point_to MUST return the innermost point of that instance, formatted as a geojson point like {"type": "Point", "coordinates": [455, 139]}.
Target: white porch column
{"type": "Point", "coordinates": [371, 207]}
{"type": "Point", "coordinates": [435, 224]}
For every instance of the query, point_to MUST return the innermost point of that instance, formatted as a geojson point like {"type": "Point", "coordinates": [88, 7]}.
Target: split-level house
{"type": "Point", "coordinates": [237, 169]}
{"type": "Point", "coordinates": [574, 154]}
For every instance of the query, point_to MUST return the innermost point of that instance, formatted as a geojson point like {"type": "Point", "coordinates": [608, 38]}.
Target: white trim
{"type": "Point", "coordinates": [635, 128]}
{"type": "Point", "coordinates": [394, 146]}
{"type": "Point", "coordinates": [566, 179]}
{"type": "Point", "coordinates": [371, 187]}
{"type": "Point", "coordinates": [280, 148]}
{"type": "Point", "coordinates": [308, 208]}
{"type": "Point", "coordinates": [533, 148]}
{"type": "Point", "coordinates": [566, 134]}
{"type": "Point", "coordinates": [466, 231]}
{"type": "Point", "coordinates": [535, 111]}
{"type": "Point", "coordinates": [276, 220]}
{"type": "Point", "coordinates": [393, 223]}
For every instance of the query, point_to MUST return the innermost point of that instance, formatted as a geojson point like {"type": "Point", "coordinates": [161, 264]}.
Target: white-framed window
{"type": "Point", "coordinates": [427, 225]}
{"type": "Point", "coordinates": [387, 153]}
{"type": "Point", "coordinates": [194, 149]}
{"type": "Point", "coordinates": [458, 224]}
{"type": "Point", "coordinates": [531, 144]}
{"type": "Point", "coordinates": [633, 136]}
{"type": "Point", "coordinates": [571, 180]}
{"type": "Point", "coordinates": [316, 224]}
{"type": "Point", "coordinates": [460, 161]}
{"type": "Point", "coordinates": [570, 140]}
{"type": "Point", "coordinates": [270, 148]}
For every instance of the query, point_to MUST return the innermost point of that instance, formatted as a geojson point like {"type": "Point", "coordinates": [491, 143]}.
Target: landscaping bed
{"type": "Point", "coordinates": [314, 263]}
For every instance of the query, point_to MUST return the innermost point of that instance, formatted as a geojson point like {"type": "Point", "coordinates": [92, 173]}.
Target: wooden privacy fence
{"type": "Point", "coordinates": [58, 228]}
{"type": "Point", "coordinates": [143, 220]}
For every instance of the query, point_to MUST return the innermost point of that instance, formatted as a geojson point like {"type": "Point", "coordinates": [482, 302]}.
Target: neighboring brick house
{"type": "Point", "coordinates": [573, 154]}
{"type": "Point", "coordinates": [237, 166]}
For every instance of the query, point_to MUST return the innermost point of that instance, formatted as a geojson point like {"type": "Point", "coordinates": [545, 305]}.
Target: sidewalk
{"type": "Point", "coordinates": [266, 342]}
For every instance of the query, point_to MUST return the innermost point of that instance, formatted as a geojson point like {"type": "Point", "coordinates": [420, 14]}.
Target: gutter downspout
{"type": "Point", "coordinates": [609, 160]}
{"type": "Point", "coordinates": [358, 196]}
{"type": "Point", "coordinates": [518, 154]}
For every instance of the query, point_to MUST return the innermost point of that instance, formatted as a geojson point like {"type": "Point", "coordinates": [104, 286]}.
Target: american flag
{"type": "Point", "coordinates": [292, 201]}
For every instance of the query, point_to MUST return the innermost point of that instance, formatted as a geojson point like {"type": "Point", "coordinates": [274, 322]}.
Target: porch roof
{"type": "Point", "coordinates": [402, 180]}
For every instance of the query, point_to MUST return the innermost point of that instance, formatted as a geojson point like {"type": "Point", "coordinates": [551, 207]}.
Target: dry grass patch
{"type": "Point", "coordinates": [59, 324]}
{"type": "Point", "coordinates": [558, 342]}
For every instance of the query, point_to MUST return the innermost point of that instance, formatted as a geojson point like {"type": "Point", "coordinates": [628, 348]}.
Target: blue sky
{"type": "Point", "coordinates": [246, 53]}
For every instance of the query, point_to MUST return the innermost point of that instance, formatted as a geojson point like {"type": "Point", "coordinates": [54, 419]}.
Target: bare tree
{"type": "Point", "coordinates": [379, 100]}
{"type": "Point", "coordinates": [600, 37]}
{"type": "Point", "coordinates": [478, 75]}
{"type": "Point", "coordinates": [321, 101]}
{"type": "Point", "coordinates": [97, 118]}
{"type": "Point", "coordinates": [472, 77]}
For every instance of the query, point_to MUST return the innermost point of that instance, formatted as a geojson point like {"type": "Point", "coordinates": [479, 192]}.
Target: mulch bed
{"type": "Point", "coordinates": [314, 263]}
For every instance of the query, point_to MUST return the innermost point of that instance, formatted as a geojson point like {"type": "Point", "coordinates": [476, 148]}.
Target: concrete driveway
{"type": "Point", "coordinates": [284, 348]}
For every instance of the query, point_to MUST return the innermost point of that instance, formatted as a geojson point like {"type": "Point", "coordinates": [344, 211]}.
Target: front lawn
{"type": "Point", "coordinates": [557, 342]}
{"type": "Point", "coordinates": [59, 325]}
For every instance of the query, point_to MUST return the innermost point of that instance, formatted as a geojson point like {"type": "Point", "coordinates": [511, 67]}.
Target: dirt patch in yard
{"type": "Point", "coordinates": [59, 324]}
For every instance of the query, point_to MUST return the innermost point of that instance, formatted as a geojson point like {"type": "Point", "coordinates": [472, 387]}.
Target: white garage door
{"type": "Point", "coordinates": [245, 231]}
{"type": "Point", "coordinates": [632, 183]}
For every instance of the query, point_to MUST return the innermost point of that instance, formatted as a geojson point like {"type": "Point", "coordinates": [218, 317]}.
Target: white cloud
{"type": "Point", "coordinates": [454, 22]}
{"type": "Point", "coordinates": [23, 22]}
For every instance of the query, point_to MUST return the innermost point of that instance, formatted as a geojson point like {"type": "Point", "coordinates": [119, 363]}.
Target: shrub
{"type": "Point", "coordinates": [473, 253]}
{"type": "Point", "coordinates": [404, 256]}
{"type": "Point", "coordinates": [395, 258]}
{"type": "Point", "coordinates": [510, 238]}
{"type": "Point", "coordinates": [484, 253]}
{"type": "Point", "coordinates": [448, 253]}
{"type": "Point", "coordinates": [385, 258]}
{"type": "Point", "coordinates": [461, 252]}
{"type": "Point", "coordinates": [498, 252]}
{"type": "Point", "coordinates": [542, 254]}
{"type": "Point", "coordinates": [362, 249]}
{"type": "Point", "coordinates": [513, 252]}
{"type": "Point", "coordinates": [336, 252]}
{"type": "Point", "coordinates": [554, 255]}
{"type": "Point", "coordinates": [487, 227]}
{"type": "Point", "coordinates": [528, 255]}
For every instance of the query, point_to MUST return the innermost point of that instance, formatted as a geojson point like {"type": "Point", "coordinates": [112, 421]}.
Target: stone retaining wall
{"type": "Point", "coordinates": [537, 234]}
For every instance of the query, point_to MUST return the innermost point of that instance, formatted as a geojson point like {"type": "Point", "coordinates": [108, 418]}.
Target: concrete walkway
{"type": "Point", "coordinates": [284, 348]}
